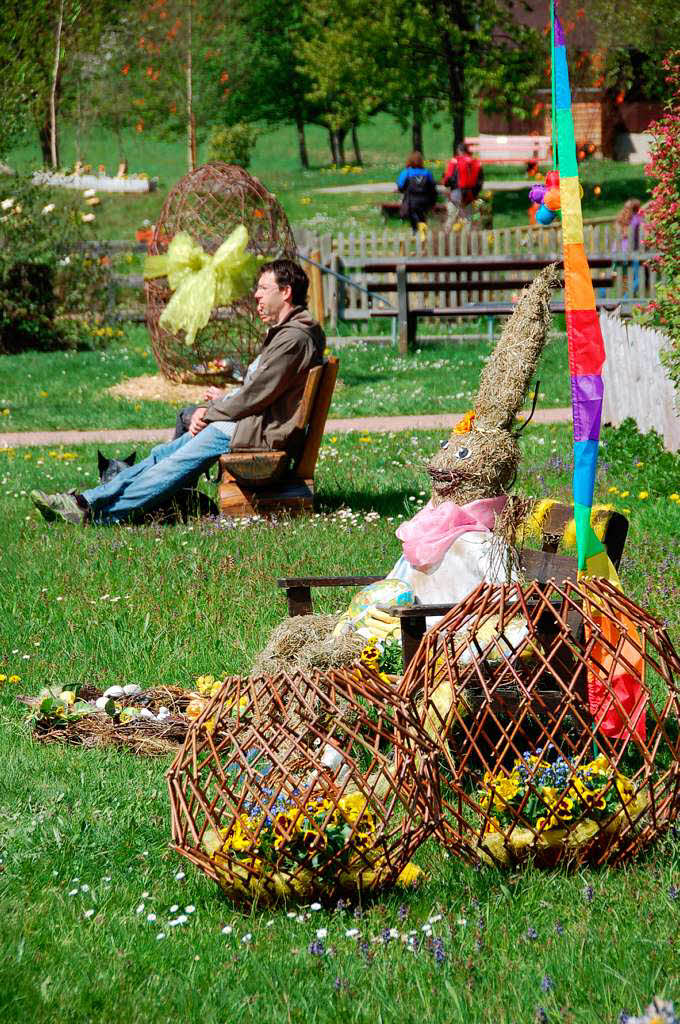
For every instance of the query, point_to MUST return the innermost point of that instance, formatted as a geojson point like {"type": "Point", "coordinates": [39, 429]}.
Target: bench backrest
{"type": "Point", "coordinates": [319, 405]}
{"type": "Point", "coordinates": [513, 148]}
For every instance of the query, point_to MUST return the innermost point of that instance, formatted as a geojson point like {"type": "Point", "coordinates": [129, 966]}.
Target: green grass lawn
{"type": "Point", "coordinates": [275, 161]}
{"type": "Point", "coordinates": [83, 835]}
{"type": "Point", "coordinates": [68, 390]}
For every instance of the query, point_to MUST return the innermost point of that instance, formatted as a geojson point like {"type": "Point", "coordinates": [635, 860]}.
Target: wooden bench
{"type": "Point", "coordinates": [540, 565]}
{"type": "Point", "coordinates": [257, 481]}
{"type": "Point", "coordinates": [473, 276]}
{"type": "Point", "coordinates": [511, 149]}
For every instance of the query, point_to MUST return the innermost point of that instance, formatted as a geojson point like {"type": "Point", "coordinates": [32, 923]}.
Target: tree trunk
{"type": "Point", "coordinates": [56, 76]}
{"type": "Point", "coordinates": [340, 146]}
{"type": "Point", "coordinates": [337, 141]}
{"type": "Point", "coordinates": [45, 139]}
{"type": "Point", "coordinates": [455, 73]}
{"type": "Point", "coordinates": [302, 142]}
{"type": "Point", "coordinates": [417, 131]}
{"type": "Point", "coordinates": [191, 121]}
{"type": "Point", "coordinates": [355, 142]}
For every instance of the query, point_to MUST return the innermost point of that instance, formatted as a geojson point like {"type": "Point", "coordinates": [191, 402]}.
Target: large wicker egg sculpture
{"type": "Point", "coordinates": [303, 788]}
{"type": "Point", "coordinates": [209, 203]}
{"type": "Point", "coordinates": [555, 708]}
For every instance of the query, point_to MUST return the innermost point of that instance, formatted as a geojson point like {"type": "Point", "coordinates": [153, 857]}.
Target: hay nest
{"type": "Point", "coordinates": [154, 387]}
{"type": "Point", "coordinates": [141, 736]}
{"type": "Point", "coordinates": [303, 642]}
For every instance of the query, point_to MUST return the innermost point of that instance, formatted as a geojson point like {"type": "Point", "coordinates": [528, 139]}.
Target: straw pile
{"type": "Point", "coordinates": [304, 642]}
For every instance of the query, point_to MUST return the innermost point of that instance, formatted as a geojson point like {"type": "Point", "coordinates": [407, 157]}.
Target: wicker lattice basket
{"type": "Point", "coordinates": [303, 787]}
{"type": "Point", "coordinates": [506, 683]}
{"type": "Point", "coordinates": [209, 203]}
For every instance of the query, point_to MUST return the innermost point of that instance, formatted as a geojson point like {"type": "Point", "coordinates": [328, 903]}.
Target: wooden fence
{"type": "Point", "coordinates": [345, 254]}
{"type": "Point", "coordinates": [635, 381]}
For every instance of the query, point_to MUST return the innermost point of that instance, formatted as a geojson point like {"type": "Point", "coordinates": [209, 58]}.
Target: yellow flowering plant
{"type": "Point", "coordinates": [300, 847]}
{"type": "Point", "coordinates": [551, 793]}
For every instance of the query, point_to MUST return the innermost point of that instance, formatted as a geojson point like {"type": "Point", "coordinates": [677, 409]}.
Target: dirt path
{"type": "Point", "coordinates": [368, 424]}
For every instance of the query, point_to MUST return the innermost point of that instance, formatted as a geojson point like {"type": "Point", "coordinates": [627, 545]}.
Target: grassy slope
{"type": "Point", "coordinates": [70, 818]}
{"type": "Point", "coordinates": [66, 390]}
{"type": "Point", "coordinates": [275, 162]}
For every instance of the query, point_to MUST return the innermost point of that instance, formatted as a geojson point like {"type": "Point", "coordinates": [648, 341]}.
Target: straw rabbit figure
{"type": "Point", "coordinates": [449, 547]}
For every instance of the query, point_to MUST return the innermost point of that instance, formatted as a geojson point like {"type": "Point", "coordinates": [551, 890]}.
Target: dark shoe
{"type": "Point", "coordinates": [60, 506]}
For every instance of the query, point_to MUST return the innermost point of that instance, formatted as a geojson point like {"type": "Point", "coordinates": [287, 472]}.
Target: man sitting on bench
{"type": "Point", "coordinates": [261, 414]}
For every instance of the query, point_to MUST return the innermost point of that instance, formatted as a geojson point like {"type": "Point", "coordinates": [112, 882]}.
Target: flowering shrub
{"type": "Point", "coordinates": [45, 283]}
{"type": "Point", "coordinates": [663, 216]}
{"type": "Point", "coordinates": [553, 794]}
{"type": "Point", "coordinates": [232, 144]}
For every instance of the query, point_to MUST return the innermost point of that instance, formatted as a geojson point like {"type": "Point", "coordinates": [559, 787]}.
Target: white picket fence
{"type": "Point", "coordinates": [635, 381]}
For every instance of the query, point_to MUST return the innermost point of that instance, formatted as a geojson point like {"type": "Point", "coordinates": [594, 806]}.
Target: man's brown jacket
{"type": "Point", "coordinates": [264, 408]}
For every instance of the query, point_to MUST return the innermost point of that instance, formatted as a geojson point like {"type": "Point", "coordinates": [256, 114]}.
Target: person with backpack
{"type": "Point", "coordinates": [464, 178]}
{"type": "Point", "coordinates": [420, 193]}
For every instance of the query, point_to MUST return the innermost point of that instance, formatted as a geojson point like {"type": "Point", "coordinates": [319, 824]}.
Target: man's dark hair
{"type": "Point", "coordinates": [288, 272]}
{"type": "Point", "coordinates": [463, 149]}
{"type": "Point", "coordinates": [415, 159]}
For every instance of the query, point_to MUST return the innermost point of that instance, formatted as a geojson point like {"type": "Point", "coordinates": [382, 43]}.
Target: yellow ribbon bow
{"type": "Point", "coordinates": [200, 281]}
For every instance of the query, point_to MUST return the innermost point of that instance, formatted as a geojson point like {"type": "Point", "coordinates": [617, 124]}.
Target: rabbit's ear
{"type": "Point", "coordinates": [506, 377]}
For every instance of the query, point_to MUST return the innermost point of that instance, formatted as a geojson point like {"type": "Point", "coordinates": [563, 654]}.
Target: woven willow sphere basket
{"type": "Point", "coordinates": [209, 203]}
{"type": "Point", "coordinates": [555, 710]}
{"type": "Point", "coordinates": [300, 788]}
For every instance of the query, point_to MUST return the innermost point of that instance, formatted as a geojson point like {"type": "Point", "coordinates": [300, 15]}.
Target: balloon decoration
{"type": "Point", "coordinates": [548, 198]}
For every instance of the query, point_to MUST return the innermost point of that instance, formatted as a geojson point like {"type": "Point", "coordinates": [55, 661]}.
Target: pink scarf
{"type": "Point", "coordinates": [427, 537]}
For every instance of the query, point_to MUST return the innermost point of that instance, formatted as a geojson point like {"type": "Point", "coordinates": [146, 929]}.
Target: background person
{"type": "Point", "coordinates": [420, 193]}
{"type": "Point", "coordinates": [261, 414]}
{"type": "Point", "coordinates": [464, 178]}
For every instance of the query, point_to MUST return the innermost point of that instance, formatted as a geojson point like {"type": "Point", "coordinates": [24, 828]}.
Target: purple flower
{"type": "Point", "coordinates": [547, 984]}
{"type": "Point", "coordinates": [673, 893]}
{"type": "Point", "coordinates": [317, 948]}
{"type": "Point", "coordinates": [532, 934]}
{"type": "Point", "coordinates": [588, 893]}
{"type": "Point", "coordinates": [559, 928]}
{"type": "Point", "coordinates": [541, 1017]}
{"type": "Point", "coordinates": [438, 952]}
{"type": "Point", "coordinates": [402, 913]}
{"type": "Point", "coordinates": [385, 935]}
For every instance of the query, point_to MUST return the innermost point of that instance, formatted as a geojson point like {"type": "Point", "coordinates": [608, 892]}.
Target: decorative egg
{"type": "Point", "coordinates": [536, 193]}
{"type": "Point", "coordinates": [552, 179]}
{"type": "Point", "coordinates": [552, 199]}
{"type": "Point", "coordinates": [114, 691]}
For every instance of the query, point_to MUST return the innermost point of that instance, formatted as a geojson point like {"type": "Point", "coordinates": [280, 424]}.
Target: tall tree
{"type": "Point", "coordinates": [631, 38]}
{"type": "Point", "coordinates": [265, 83]}
{"type": "Point", "coordinates": [485, 52]}
{"type": "Point", "coordinates": [40, 44]}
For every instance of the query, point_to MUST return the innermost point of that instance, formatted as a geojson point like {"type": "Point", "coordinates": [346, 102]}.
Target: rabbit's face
{"type": "Point", "coordinates": [478, 464]}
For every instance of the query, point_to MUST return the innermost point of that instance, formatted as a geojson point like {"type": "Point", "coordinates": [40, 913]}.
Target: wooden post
{"type": "Point", "coordinates": [403, 317]}
{"type": "Point", "coordinates": [316, 289]}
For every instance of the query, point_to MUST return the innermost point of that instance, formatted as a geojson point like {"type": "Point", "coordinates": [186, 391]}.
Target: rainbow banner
{"type": "Point", "coordinates": [584, 337]}
{"type": "Point", "coordinates": [619, 706]}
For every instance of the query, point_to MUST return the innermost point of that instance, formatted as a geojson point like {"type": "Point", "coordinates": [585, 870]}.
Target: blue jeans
{"type": "Point", "coordinates": [167, 469]}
